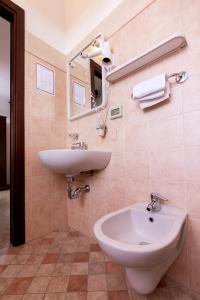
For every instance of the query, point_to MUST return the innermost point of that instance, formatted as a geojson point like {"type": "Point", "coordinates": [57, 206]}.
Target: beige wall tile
{"type": "Point", "coordinates": [45, 128]}
{"type": "Point", "coordinates": [194, 246]}
{"type": "Point", "coordinates": [156, 150]}
{"type": "Point", "coordinates": [191, 128]}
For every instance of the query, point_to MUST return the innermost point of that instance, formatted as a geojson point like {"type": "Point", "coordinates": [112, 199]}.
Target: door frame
{"type": "Point", "coordinates": [16, 16]}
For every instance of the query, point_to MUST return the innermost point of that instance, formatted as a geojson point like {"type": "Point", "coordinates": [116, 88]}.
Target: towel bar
{"type": "Point", "coordinates": [180, 77]}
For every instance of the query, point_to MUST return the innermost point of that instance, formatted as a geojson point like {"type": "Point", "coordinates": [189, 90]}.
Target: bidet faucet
{"type": "Point", "coordinates": [155, 204]}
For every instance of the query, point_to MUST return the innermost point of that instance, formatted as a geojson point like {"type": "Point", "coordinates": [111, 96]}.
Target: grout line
{"type": "Point", "coordinates": [45, 61]}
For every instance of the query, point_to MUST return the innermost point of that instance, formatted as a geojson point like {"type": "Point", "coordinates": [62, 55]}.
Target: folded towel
{"type": "Point", "coordinates": [152, 96]}
{"type": "Point", "coordinates": [146, 104]}
{"type": "Point", "coordinates": [150, 86]}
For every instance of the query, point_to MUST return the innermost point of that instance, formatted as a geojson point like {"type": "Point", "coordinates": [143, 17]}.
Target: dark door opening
{"type": "Point", "coordinates": [15, 16]}
{"type": "Point", "coordinates": [4, 133]}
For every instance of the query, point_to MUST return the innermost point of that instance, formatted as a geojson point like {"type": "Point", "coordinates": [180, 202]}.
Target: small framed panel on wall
{"type": "Point", "coordinates": [45, 79]}
{"type": "Point", "coordinates": [79, 93]}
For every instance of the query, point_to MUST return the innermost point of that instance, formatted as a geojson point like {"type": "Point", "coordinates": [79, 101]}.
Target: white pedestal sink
{"type": "Point", "coordinates": [72, 162]}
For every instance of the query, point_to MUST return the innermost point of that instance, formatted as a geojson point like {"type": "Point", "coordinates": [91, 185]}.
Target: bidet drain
{"type": "Point", "coordinates": [143, 243]}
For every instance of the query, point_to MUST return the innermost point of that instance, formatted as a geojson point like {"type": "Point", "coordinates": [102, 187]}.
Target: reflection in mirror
{"type": "Point", "coordinates": [96, 84]}
{"type": "Point", "coordinates": [86, 79]}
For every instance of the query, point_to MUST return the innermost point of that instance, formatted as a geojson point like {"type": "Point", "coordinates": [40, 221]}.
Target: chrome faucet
{"type": "Point", "coordinates": [77, 145]}
{"type": "Point", "coordinates": [155, 204]}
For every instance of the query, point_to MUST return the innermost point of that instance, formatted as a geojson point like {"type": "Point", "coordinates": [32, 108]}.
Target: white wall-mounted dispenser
{"type": "Point", "coordinates": [100, 127]}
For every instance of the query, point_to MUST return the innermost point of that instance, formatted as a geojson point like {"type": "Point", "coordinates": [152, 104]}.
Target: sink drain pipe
{"type": "Point", "coordinates": [73, 194]}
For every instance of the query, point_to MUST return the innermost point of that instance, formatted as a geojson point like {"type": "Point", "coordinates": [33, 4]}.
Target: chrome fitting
{"type": "Point", "coordinates": [155, 204]}
{"type": "Point", "coordinates": [73, 194]}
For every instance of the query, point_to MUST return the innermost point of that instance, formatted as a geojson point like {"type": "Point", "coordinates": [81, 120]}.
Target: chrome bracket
{"type": "Point", "coordinates": [179, 77]}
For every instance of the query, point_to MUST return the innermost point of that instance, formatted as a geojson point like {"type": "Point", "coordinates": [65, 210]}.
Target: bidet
{"type": "Point", "coordinates": [145, 243]}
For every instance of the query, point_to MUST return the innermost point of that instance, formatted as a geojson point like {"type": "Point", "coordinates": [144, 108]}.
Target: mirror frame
{"type": "Point", "coordinates": [105, 85]}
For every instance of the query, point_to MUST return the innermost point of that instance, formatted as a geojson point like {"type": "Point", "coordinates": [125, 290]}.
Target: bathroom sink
{"type": "Point", "coordinates": [72, 162]}
{"type": "Point", "coordinates": [145, 243]}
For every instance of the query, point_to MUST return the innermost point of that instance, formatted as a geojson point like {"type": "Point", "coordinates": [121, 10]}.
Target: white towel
{"type": "Point", "coordinates": [150, 86]}
{"type": "Point", "coordinates": [152, 96]}
{"type": "Point", "coordinates": [146, 104]}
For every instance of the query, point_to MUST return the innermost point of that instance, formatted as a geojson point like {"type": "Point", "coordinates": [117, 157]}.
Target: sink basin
{"type": "Point", "coordinates": [72, 162]}
{"type": "Point", "coordinates": [145, 243]}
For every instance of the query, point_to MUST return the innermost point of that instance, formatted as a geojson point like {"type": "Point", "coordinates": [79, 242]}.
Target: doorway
{"type": "Point", "coordinates": [12, 207]}
{"type": "Point", "coordinates": [4, 133]}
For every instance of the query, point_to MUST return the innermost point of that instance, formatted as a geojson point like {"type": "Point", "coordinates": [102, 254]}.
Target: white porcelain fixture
{"type": "Point", "coordinates": [145, 243]}
{"type": "Point", "coordinates": [72, 162]}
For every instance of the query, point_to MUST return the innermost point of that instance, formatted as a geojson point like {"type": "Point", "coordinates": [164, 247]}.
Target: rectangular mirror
{"type": "Point", "coordinates": [86, 84]}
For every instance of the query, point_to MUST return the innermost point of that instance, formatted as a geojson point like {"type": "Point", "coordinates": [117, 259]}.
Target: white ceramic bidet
{"type": "Point", "coordinates": [145, 243]}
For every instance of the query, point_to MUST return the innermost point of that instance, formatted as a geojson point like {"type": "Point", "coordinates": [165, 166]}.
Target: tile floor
{"type": "Point", "coordinates": [63, 266]}
{"type": "Point", "coordinates": [70, 266]}
{"type": "Point", "coordinates": [4, 218]}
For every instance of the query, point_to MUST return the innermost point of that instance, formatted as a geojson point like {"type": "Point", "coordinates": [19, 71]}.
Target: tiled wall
{"type": "Point", "coordinates": [45, 128]}
{"type": "Point", "coordinates": [157, 150]}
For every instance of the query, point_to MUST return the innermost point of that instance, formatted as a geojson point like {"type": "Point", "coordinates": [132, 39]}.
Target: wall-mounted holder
{"type": "Point", "coordinates": [101, 131]}
{"type": "Point", "coordinates": [101, 127]}
{"type": "Point", "coordinates": [179, 77]}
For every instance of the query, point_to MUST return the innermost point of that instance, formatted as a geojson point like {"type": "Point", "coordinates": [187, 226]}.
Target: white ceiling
{"type": "Point", "coordinates": [74, 9]}
{"type": "Point", "coordinates": [86, 18]}
{"type": "Point", "coordinates": [64, 23]}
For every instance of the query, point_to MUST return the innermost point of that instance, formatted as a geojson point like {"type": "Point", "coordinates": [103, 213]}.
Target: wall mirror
{"type": "Point", "coordinates": [86, 83]}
